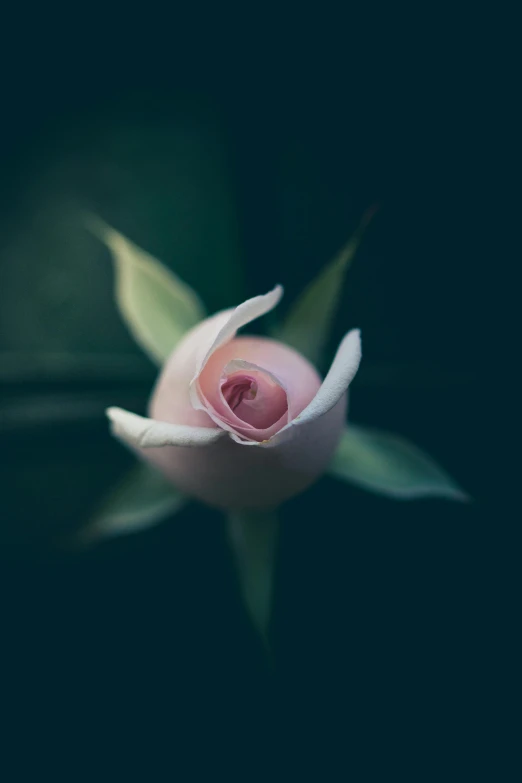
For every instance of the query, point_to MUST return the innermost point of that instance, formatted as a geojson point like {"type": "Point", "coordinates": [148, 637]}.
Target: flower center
{"type": "Point", "coordinates": [253, 396]}
{"type": "Point", "coordinates": [235, 390]}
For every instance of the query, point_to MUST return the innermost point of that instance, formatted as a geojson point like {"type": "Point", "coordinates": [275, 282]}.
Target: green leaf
{"type": "Point", "coordinates": [157, 307]}
{"type": "Point", "coordinates": [162, 177]}
{"type": "Point", "coordinates": [141, 500]}
{"type": "Point", "coordinates": [307, 325]}
{"type": "Point", "coordinates": [389, 465]}
{"type": "Point", "coordinates": [253, 537]}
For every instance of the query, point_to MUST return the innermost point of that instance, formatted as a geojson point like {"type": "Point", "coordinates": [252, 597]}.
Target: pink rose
{"type": "Point", "coordinates": [242, 422]}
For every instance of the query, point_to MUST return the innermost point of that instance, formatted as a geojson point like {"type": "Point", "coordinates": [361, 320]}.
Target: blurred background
{"type": "Point", "coordinates": [240, 168]}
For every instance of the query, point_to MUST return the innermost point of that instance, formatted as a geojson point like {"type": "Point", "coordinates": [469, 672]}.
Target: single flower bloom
{"type": "Point", "coordinates": [242, 422]}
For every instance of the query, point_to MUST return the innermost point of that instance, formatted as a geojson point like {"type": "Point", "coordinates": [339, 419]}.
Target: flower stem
{"type": "Point", "coordinates": [253, 538]}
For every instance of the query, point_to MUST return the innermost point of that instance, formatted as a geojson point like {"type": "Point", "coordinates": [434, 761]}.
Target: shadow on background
{"type": "Point", "coordinates": [136, 656]}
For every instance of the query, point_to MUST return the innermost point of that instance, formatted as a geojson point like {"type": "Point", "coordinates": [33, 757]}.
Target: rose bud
{"type": "Point", "coordinates": [242, 422]}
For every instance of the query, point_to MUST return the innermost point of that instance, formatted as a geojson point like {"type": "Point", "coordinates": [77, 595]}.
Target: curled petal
{"type": "Point", "coordinates": [170, 400]}
{"type": "Point", "coordinates": [226, 331]}
{"type": "Point", "coordinates": [243, 314]}
{"type": "Point", "coordinates": [141, 432]}
{"type": "Point", "coordinates": [334, 386]}
{"type": "Point", "coordinates": [266, 400]}
{"type": "Point", "coordinates": [247, 400]}
{"type": "Point", "coordinates": [339, 377]}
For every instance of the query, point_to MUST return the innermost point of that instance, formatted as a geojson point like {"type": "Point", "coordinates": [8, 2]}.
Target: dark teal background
{"type": "Point", "coordinates": [243, 168]}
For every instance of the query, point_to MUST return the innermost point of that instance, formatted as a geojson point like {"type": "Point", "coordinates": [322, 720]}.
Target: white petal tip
{"type": "Point", "coordinates": [341, 373]}
{"type": "Point", "coordinates": [235, 319]}
{"type": "Point", "coordinates": [278, 291]}
{"type": "Point", "coordinates": [144, 433]}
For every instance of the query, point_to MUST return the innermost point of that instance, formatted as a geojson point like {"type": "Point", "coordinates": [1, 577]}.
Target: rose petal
{"type": "Point", "coordinates": [271, 397]}
{"type": "Point", "coordinates": [334, 386]}
{"type": "Point", "coordinates": [269, 403]}
{"type": "Point", "coordinates": [170, 400]}
{"type": "Point", "coordinates": [296, 375]}
{"type": "Point", "coordinates": [239, 430]}
{"type": "Point", "coordinates": [141, 432]}
{"type": "Point", "coordinates": [242, 315]}
{"type": "Point", "coordinates": [290, 370]}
